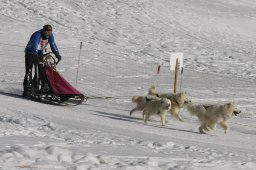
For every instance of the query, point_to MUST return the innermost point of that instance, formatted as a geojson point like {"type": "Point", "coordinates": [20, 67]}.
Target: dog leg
{"type": "Point", "coordinates": [133, 110]}
{"type": "Point", "coordinates": [176, 114]}
{"type": "Point", "coordinates": [146, 117]}
{"type": "Point", "coordinates": [162, 119]}
{"type": "Point", "coordinates": [179, 117]}
{"type": "Point", "coordinates": [205, 128]}
{"type": "Point", "coordinates": [143, 115]}
{"type": "Point", "coordinates": [225, 126]}
{"type": "Point", "coordinates": [212, 125]}
{"type": "Point", "coordinates": [201, 129]}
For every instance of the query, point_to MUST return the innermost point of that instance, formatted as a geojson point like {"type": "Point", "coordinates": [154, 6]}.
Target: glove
{"type": "Point", "coordinates": [59, 58]}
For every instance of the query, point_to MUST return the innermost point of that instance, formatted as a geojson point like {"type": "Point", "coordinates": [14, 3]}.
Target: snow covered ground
{"type": "Point", "coordinates": [123, 43]}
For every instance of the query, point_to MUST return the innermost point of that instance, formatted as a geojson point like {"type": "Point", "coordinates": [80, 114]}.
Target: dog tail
{"type": "Point", "coordinates": [135, 99]}
{"type": "Point", "coordinates": [152, 90]}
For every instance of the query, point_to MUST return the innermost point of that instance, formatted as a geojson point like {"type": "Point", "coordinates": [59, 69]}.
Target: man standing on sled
{"type": "Point", "coordinates": [33, 52]}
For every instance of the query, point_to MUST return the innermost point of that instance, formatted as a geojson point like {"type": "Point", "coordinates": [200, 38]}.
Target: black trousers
{"type": "Point", "coordinates": [29, 81]}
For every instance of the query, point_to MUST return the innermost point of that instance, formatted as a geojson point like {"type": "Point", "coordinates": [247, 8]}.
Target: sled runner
{"type": "Point", "coordinates": [51, 87]}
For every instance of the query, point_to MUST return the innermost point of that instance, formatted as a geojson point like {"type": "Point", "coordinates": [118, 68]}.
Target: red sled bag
{"type": "Point", "coordinates": [60, 87]}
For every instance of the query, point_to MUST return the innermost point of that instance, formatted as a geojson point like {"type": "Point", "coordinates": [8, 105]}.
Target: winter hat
{"type": "Point", "coordinates": [47, 28]}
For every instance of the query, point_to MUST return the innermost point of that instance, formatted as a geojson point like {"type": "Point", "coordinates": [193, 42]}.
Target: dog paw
{"type": "Point", "coordinates": [201, 130]}
{"type": "Point", "coordinates": [179, 118]}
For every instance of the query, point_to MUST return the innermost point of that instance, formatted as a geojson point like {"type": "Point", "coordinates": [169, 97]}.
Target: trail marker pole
{"type": "Point", "coordinates": [176, 75]}
{"type": "Point", "coordinates": [181, 77]}
{"type": "Point", "coordinates": [78, 63]}
{"type": "Point", "coordinates": [176, 64]}
{"type": "Point", "coordinates": [158, 69]}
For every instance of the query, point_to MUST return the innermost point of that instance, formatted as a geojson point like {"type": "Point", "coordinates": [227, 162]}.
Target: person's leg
{"type": "Point", "coordinates": [45, 87]}
{"type": "Point", "coordinates": [27, 83]}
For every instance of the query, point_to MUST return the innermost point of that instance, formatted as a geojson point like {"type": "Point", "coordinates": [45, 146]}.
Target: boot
{"type": "Point", "coordinates": [27, 85]}
{"type": "Point", "coordinates": [45, 88]}
{"type": "Point", "coordinates": [27, 94]}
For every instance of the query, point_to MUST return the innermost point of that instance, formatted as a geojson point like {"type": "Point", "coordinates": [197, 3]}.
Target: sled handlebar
{"type": "Point", "coordinates": [49, 60]}
{"type": "Point", "coordinates": [47, 54]}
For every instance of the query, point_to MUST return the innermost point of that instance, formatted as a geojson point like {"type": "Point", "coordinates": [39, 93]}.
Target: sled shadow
{"type": "Point", "coordinates": [19, 96]}
{"type": "Point", "coordinates": [11, 95]}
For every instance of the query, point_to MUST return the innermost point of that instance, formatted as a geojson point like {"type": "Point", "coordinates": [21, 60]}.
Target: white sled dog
{"type": "Point", "coordinates": [178, 100]}
{"type": "Point", "coordinates": [141, 101]}
{"type": "Point", "coordinates": [157, 107]}
{"type": "Point", "coordinates": [210, 115]}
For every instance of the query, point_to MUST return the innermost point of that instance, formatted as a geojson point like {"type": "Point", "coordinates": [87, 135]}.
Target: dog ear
{"type": "Point", "coordinates": [229, 104]}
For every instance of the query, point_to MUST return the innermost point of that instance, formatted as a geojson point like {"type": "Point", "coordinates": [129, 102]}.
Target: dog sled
{"type": "Point", "coordinates": [53, 88]}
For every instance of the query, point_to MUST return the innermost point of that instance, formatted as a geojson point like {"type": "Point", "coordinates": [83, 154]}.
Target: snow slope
{"type": "Point", "coordinates": [123, 43]}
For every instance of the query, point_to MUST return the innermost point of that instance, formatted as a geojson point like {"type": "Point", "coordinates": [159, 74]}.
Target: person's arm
{"type": "Point", "coordinates": [53, 46]}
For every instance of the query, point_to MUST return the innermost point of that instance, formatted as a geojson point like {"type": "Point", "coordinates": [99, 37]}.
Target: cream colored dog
{"type": "Point", "coordinates": [178, 100]}
{"type": "Point", "coordinates": [141, 101]}
{"type": "Point", "coordinates": [210, 115]}
{"type": "Point", "coordinates": [157, 107]}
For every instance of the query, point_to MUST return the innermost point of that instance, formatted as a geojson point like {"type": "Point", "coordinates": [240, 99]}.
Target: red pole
{"type": "Point", "coordinates": [158, 69]}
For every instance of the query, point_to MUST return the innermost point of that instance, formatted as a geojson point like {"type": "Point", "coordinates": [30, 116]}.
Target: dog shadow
{"type": "Point", "coordinates": [118, 116]}
{"type": "Point", "coordinates": [181, 130]}
{"type": "Point", "coordinates": [137, 120]}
